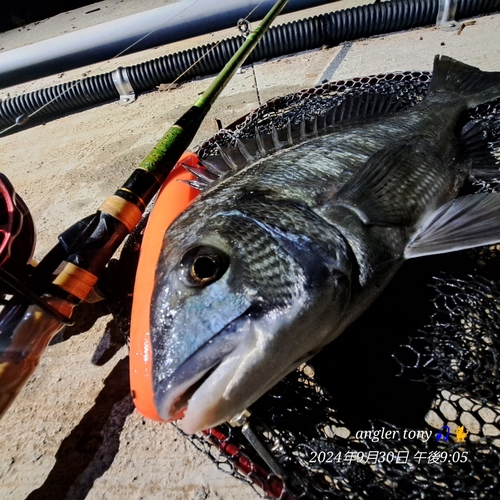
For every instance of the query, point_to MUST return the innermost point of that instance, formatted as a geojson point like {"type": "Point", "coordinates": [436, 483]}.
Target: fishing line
{"type": "Point", "coordinates": [253, 65]}
{"type": "Point", "coordinates": [182, 74]}
{"type": "Point", "coordinates": [253, 10]}
{"type": "Point", "coordinates": [212, 49]}
{"type": "Point", "coordinates": [99, 68]}
{"type": "Point", "coordinates": [173, 83]}
{"type": "Point", "coordinates": [178, 78]}
{"type": "Point", "coordinates": [88, 154]}
{"type": "Point", "coordinates": [24, 118]}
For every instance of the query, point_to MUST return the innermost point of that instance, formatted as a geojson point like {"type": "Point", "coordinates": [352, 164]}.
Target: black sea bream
{"type": "Point", "coordinates": [277, 257]}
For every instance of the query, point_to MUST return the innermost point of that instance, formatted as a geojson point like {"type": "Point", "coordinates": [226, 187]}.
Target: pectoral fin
{"type": "Point", "coordinates": [466, 222]}
{"type": "Point", "coordinates": [382, 191]}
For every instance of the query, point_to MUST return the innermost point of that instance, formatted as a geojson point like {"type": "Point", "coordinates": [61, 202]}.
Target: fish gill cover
{"type": "Point", "coordinates": [406, 404]}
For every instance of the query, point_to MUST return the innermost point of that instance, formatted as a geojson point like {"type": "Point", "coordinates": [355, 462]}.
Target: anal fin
{"type": "Point", "coordinates": [466, 222]}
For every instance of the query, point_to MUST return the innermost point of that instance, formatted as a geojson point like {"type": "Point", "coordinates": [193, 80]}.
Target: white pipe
{"type": "Point", "coordinates": [160, 26]}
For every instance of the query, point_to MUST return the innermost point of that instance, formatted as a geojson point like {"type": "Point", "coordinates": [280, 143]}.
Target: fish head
{"type": "Point", "coordinates": [235, 308]}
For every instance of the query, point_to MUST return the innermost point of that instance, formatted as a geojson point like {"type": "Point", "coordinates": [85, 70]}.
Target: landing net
{"type": "Point", "coordinates": [406, 403]}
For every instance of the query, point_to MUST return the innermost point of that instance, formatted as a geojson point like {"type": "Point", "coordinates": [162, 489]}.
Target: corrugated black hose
{"type": "Point", "coordinates": [326, 29]}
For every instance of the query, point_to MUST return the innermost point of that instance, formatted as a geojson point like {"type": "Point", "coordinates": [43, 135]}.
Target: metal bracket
{"type": "Point", "coordinates": [446, 15]}
{"type": "Point", "coordinates": [123, 86]}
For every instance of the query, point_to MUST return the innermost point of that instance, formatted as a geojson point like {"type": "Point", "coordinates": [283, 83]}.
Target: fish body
{"type": "Point", "coordinates": [278, 256]}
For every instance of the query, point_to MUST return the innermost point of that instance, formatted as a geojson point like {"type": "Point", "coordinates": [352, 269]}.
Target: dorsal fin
{"type": "Point", "coordinates": [250, 150]}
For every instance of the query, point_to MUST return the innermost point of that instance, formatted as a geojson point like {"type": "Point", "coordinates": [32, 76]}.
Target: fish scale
{"type": "Point", "coordinates": [273, 272]}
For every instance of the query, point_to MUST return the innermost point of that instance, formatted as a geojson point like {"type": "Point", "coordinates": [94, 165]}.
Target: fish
{"type": "Point", "coordinates": [297, 231]}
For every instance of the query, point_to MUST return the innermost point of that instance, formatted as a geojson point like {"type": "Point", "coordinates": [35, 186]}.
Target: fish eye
{"type": "Point", "coordinates": [204, 268]}
{"type": "Point", "coordinates": [203, 265]}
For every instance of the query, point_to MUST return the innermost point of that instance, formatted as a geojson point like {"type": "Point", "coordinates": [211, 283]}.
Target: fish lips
{"type": "Point", "coordinates": [172, 394]}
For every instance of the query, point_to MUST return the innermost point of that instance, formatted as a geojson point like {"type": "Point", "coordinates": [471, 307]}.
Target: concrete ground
{"type": "Point", "coordinates": [72, 433]}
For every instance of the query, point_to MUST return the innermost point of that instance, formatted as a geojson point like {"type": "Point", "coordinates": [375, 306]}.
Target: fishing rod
{"type": "Point", "coordinates": [41, 305]}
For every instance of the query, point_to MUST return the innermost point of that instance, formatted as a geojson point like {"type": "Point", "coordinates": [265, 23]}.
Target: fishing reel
{"type": "Point", "coordinates": [27, 320]}
{"type": "Point", "coordinates": [17, 240]}
{"type": "Point", "coordinates": [20, 280]}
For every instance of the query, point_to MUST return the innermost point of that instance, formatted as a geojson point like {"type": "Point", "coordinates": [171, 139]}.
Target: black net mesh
{"type": "Point", "coordinates": [406, 403]}
{"type": "Point", "coordinates": [407, 88]}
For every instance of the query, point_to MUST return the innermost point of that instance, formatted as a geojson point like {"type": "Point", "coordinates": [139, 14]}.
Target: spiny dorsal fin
{"type": "Point", "coordinates": [198, 185]}
{"type": "Point", "coordinates": [202, 174]}
{"type": "Point", "coordinates": [216, 165]}
{"type": "Point", "coordinates": [247, 151]}
{"type": "Point", "coordinates": [229, 157]}
{"type": "Point", "coordinates": [259, 142]}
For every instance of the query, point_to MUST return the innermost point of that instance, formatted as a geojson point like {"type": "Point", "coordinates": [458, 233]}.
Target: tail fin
{"type": "Point", "coordinates": [474, 85]}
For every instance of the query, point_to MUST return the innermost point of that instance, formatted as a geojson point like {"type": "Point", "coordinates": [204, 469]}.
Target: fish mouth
{"type": "Point", "coordinates": [206, 372]}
